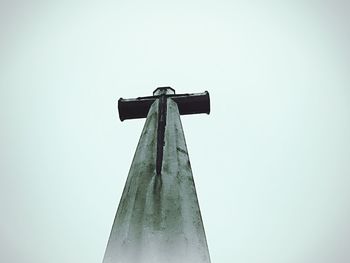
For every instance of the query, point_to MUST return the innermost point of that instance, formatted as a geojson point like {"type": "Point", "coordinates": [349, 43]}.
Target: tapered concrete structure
{"type": "Point", "coordinates": [158, 219]}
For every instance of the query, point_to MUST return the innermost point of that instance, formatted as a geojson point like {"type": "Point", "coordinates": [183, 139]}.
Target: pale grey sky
{"type": "Point", "coordinates": [271, 163]}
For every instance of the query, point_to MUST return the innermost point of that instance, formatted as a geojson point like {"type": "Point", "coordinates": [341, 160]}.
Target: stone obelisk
{"type": "Point", "coordinates": [158, 219]}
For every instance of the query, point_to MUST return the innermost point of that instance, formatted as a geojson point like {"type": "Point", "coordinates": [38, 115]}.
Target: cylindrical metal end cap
{"type": "Point", "coordinates": [208, 102]}
{"type": "Point", "coordinates": [120, 110]}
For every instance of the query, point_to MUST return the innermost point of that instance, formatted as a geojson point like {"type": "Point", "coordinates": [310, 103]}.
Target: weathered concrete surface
{"type": "Point", "coordinates": [158, 218]}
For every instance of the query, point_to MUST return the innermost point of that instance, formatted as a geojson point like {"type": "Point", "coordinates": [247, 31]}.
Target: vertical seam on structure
{"type": "Point", "coordinates": [162, 112]}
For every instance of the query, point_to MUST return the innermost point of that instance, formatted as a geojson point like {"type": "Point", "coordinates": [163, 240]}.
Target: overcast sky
{"type": "Point", "coordinates": [271, 162]}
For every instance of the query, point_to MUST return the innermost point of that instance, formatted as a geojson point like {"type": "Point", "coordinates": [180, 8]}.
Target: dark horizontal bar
{"type": "Point", "coordinates": [134, 108]}
{"type": "Point", "coordinates": [187, 104]}
{"type": "Point", "coordinates": [192, 103]}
